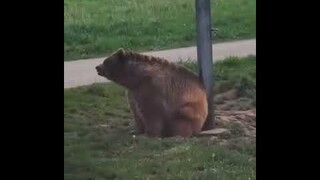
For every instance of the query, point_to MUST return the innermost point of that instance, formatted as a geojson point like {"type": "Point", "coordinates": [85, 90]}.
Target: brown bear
{"type": "Point", "coordinates": [166, 99]}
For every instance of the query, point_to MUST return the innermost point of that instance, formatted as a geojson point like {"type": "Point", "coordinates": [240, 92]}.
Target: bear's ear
{"type": "Point", "coordinates": [120, 52]}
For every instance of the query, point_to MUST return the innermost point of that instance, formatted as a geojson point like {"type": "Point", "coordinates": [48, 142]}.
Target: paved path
{"type": "Point", "coordinates": [82, 72]}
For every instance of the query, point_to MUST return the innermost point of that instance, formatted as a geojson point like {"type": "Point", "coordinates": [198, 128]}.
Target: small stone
{"type": "Point", "coordinates": [246, 132]}
{"type": "Point", "coordinates": [103, 125]}
{"type": "Point", "coordinates": [213, 139]}
{"type": "Point", "coordinates": [224, 118]}
{"type": "Point", "coordinates": [216, 131]}
{"type": "Point", "coordinates": [223, 142]}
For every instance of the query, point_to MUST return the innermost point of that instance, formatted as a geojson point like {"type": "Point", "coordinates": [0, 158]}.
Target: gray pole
{"type": "Point", "coordinates": [204, 53]}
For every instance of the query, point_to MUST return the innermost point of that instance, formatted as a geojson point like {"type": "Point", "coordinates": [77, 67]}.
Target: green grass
{"type": "Point", "coordinates": [232, 73]}
{"type": "Point", "coordinates": [98, 145]}
{"type": "Point", "coordinates": [96, 27]}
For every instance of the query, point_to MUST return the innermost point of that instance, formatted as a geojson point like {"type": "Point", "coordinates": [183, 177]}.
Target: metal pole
{"type": "Point", "coordinates": [204, 53]}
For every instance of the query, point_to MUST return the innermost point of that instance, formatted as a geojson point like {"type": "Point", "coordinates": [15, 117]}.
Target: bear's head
{"type": "Point", "coordinates": [113, 66]}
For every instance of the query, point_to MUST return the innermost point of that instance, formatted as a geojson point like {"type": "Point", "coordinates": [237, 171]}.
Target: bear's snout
{"type": "Point", "coordinates": [99, 69]}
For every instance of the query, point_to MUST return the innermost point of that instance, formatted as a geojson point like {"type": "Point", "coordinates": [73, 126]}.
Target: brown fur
{"type": "Point", "coordinates": [166, 99]}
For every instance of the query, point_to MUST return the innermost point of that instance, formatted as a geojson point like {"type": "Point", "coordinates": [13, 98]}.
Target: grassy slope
{"type": "Point", "coordinates": [98, 144]}
{"type": "Point", "coordinates": [96, 27]}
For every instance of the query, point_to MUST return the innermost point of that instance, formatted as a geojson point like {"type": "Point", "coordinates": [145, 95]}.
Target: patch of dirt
{"type": "Point", "coordinates": [235, 114]}
{"type": "Point", "coordinates": [241, 123]}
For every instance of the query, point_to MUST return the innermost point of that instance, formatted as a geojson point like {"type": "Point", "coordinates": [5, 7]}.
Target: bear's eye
{"type": "Point", "coordinates": [107, 62]}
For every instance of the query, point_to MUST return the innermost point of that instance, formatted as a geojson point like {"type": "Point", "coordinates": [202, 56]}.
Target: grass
{"type": "Point", "coordinates": [233, 73]}
{"type": "Point", "coordinates": [96, 27]}
{"type": "Point", "coordinates": [98, 145]}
